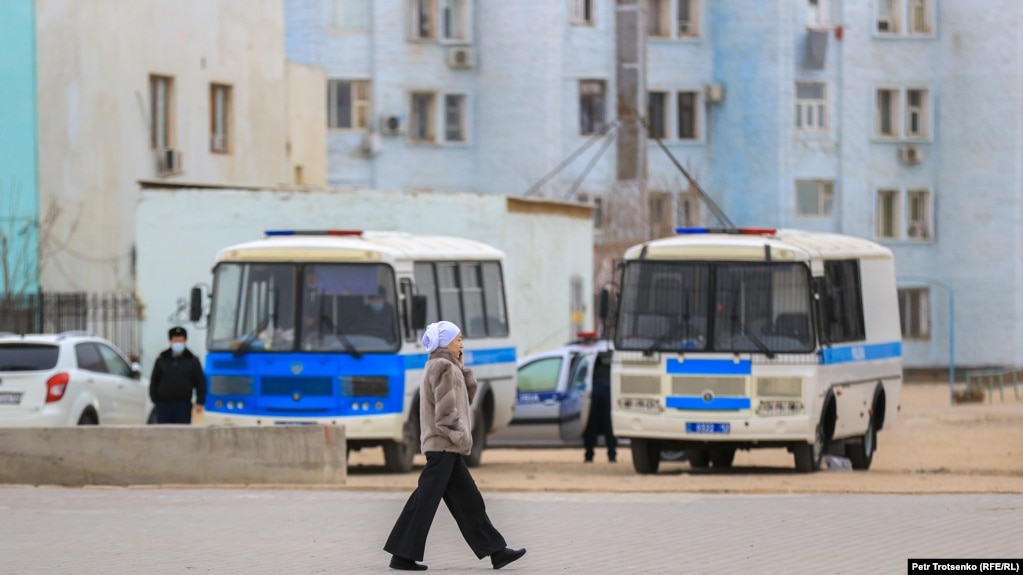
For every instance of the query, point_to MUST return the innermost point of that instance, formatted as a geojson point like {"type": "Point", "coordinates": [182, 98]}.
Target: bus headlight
{"type": "Point", "coordinates": [779, 387]}
{"type": "Point", "coordinates": [640, 404]}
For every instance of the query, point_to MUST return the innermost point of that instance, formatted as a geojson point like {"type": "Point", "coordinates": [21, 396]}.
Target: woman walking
{"type": "Point", "coordinates": [445, 397]}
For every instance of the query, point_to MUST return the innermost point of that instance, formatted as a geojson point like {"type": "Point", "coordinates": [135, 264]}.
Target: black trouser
{"type": "Point", "coordinates": [444, 477]}
{"type": "Point", "coordinates": [174, 412]}
{"type": "Point", "coordinates": [599, 422]}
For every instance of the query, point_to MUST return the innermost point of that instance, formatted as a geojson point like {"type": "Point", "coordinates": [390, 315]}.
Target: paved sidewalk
{"type": "Point", "coordinates": [252, 532]}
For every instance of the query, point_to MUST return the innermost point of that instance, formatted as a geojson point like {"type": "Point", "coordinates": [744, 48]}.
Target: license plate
{"type": "Point", "coordinates": [699, 427]}
{"type": "Point", "coordinates": [10, 398]}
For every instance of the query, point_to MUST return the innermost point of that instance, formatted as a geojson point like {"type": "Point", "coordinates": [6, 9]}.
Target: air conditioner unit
{"type": "Point", "coordinates": [714, 93]}
{"type": "Point", "coordinates": [911, 154]}
{"type": "Point", "coordinates": [460, 57]}
{"type": "Point", "coordinates": [392, 125]}
{"type": "Point", "coordinates": [218, 143]}
{"type": "Point", "coordinates": [168, 161]}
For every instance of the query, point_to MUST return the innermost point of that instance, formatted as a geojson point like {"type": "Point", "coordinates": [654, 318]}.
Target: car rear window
{"type": "Point", "coordinates": [27, 357]}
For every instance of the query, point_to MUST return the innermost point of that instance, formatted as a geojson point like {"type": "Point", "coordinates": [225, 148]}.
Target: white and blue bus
{"type": "Point", "coordinates": [754, 338]}
{"type": "Point", "coordinates": [324, 328]}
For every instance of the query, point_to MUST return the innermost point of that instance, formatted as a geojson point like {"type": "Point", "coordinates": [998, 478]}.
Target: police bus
{"type": "Point", "coordinates": [323, 327]}
{"type": "Point", "coordinates": [755, 338]}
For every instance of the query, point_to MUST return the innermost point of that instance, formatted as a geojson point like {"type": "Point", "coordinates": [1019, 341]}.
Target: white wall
{"type": "Point", "coordinates": [94, 62]}
{"type": "Point", "coordinates": [546, 243]}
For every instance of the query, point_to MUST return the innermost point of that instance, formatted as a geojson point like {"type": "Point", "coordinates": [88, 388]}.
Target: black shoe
{"type": "Point", "coordinates": [588, 459]}
{"type": "Point", "coordinates": [612, 458]}
{"type": "Point", "coordinates": [505, 556]}
{"type": "Point", "coordinates": [402, 564]}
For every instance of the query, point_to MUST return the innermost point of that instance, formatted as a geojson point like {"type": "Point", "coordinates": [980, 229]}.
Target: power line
{"type": "Point", "coordinates": [593, 162]}
{"type": "Point", "coordinates": [536, 187]}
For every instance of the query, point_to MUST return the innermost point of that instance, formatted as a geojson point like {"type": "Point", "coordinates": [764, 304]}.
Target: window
{"type": "Point", "coordinates": [348, 104]}
{"type": "Point", "coordinates": [597, 202]}
{"type": "Point", "coordinates": [918, 214]}
{"type": "Point", "coordinates": [916, 113]}
{"type": "Point", "coordinates": [818, 12]}
{"type": "Point", "coordinates": [887, 213]}
{"type": "Point", "coordinates": [455, 18]}
{"type": "Point", "coordinates": [472, 300]}
{"type": "Point", "coordinates": [113, 361]}
{"type": "Point", "coordinates": [887, 122]}
{"type": "Point", "coordinates": [657, 114]}
{"type": "Point", "coordinates": [422, 124]}
{"type": "Point", "coordinates": [842, 302]}
{"type": "Point", "coordinates": [688, 18]}
{"type": "Point", "coordinates": [450, 290]}
{"type": "Point", "coordinates": [348, 15]}
{"type": "Point", "coordinates": [493, 300]}
{"type": "Point", "coordinates": [689, 209]}
{"type": "Point", "coordinates": [591, 106]}
{"type": "Point", "coordinates": [89, 359]}
{"type": "Point", "coordinates": [427, 284]}
{"type": "Point", "coordinates": [454, 118]}
{"type": "Point", "coordinates": [811, 107]}
{"type": "Point", "coordinates": [658, 18]}
{"type": "Point", "coordinates": [687, 116]}
{"type": "Point", "coordinates": [161, 111]}
{"type": "Point", "coordinates": [915, 313]}
{"type": "Point", "coordinates": [475, 287]}
{"type": "Point", "coordinates": [814, 198]}
{"type": "Point", "coordinates": [887, 16]}
{"type": "Point", "coordinates": [423, 19]}
{"type": "Point", "coordinates": [220, 116]}
{"type": "Point", "coordinates": [582, 11]}
{"type": "Point", "coordinates": [540, 375]}
{"type": "Point", "coordinates": [919, 17]}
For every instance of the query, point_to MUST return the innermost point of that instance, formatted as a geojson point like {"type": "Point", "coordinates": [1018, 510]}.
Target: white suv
{"type": "Point", "coordinates": [73, 378]}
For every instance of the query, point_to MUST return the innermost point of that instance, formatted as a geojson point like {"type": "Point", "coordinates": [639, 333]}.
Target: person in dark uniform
{"type": "Point", "coordinates": [445, 412]}
{"type": "Point", "coordinates": [176, 375]}
{"type": "Point", "coordinates": [599, 421]}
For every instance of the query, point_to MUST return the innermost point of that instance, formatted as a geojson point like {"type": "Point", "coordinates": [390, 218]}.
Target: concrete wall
{"type": "Point", "coordinates": [307, 126]}
{"type": "Point", "coordinates": [173, 455]}
{"type": "Point", "coordinates": [546, 244]}
{"type": "Point", "coordinates": [19, 196]}
{"type": "Point", "coordinates": [95, 59]}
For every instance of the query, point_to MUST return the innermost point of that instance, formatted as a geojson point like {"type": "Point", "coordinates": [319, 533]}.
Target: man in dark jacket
{"type": "Point", "coordinates": [599, 422]}
{"type": "Point", "coordinates": [176, 374]}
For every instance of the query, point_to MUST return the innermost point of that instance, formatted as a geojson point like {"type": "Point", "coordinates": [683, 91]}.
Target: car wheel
{"type": "Point", "coordinates": [722, 457]}
{"type": "Point", "coordinates": [698, 458]}
{"type": "Point", "coordinates": [88, 418]}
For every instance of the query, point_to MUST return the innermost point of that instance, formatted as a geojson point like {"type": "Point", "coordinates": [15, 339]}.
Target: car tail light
{"type": "Point", "coordinates": [56, 386]}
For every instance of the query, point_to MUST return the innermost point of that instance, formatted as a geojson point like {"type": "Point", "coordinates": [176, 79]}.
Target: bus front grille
{"type": "Point", "coordinates": [365, 386]}
{"type": "Point", "coordinates": [641, 384]}
{"type": "Point", "coordinates": [720, 386]}
{"type": "Point", "coordinates": [303, 386]}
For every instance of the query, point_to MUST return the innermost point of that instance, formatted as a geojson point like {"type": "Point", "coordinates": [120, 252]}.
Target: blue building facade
{"type": "Point", "coordinates": [19, 195]}
{"type": "Point", "coordinates": [893, 120]}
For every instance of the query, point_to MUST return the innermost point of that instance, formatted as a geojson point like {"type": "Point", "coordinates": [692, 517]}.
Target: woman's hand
{"type": "Point", "coordinates": [461, 362]}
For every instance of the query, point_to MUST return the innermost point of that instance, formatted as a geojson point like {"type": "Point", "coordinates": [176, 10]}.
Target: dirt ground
{"type": "Point", "coordinates": [934, 448]}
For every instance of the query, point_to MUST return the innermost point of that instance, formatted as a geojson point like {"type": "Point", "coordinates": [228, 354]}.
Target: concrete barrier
{"type": "Point", "coordinates": [173, 454]}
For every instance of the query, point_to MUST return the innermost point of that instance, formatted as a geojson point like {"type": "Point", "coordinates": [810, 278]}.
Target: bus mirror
{"type": "Point", "coordinates": [605, 303]}
{"type": "Point", "coordinates": [195, 305]}
{"type": "Point", "coordinates": [418, 312]}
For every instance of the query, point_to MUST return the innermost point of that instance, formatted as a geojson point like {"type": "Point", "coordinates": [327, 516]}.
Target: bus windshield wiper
{"type": "Point", "coordinates": [756, 341]}
{"type": "Point", "coordinates": [336, 330]}
{"type": "Point", "coordinates": [247, 339]}
{"type": "Point", "coordinates": [666, 336]}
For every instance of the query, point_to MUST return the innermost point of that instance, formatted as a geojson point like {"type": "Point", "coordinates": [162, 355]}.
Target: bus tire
{"type": "Point", "coordinates": [808, 456]}
{"type": "Point", "coordinates": [861, 452]}
{"type": "Point", "coordinates": [698, 458]}
{"type": "Point", "coordinates": [722, 457]}
{"type": "Point", "coordinates": [479, 440]}
{"type": "Point", "coordinates": [398, 455]}
{"type": "Point", "coordinates": [646, 455]}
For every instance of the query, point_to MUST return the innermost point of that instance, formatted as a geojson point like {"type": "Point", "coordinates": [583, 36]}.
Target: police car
{"type": "Point", "coordinates": [553, 396]}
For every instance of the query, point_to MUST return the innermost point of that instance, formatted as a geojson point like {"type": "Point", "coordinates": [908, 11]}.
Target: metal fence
{"type": "Point", "coordinates": [109, 315]}
{"type": "Point", "coordinates": [1000, 377]}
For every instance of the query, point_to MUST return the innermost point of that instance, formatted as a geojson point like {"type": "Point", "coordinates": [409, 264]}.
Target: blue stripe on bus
{"type": "Point", "coordinates": [865, 352]}
{"type": "Point", "coordinates": [710, 367]}
{"type": "Point", "coordinates": [716, 404]}
{"type": "Point", "coordinates": [473, 357]}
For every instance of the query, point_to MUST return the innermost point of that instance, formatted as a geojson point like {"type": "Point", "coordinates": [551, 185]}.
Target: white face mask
{"type": "Point", "coordinates": [177, 347]}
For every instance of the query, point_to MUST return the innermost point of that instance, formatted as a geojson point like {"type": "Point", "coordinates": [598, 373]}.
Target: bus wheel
{"type": "Point", "coordinates": [861, 453]}
{"type": "Point", "coordinates": [698, 458]}
{"type": "Point", "coordinates": [646, 455]}
{"type": "Point", "coordinates": [722, 457]}
{"type": "Point", "coordinates": [398, 456]}
{"type": "Point", "coordinates": [809, 455]}
{"type": "Point", "coordinates": [479, 440]}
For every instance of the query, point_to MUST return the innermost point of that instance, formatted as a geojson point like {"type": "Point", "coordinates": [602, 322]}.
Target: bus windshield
{"type": "Point", "coordinates": [272, 307]}
{"type": "Point", "coordinates": [715, 306]}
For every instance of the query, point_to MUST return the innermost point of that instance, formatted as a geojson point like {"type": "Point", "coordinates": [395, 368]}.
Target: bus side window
{"type": "Point", "coordinates": [427, 284]}
{"type": "Point", "coordinates": [493, 300]}
{"type": "Point", "coordinates": [407, 291]}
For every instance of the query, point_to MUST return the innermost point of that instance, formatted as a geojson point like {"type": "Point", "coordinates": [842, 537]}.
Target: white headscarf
{"type": "Point", "coordinates": [439, 334]}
